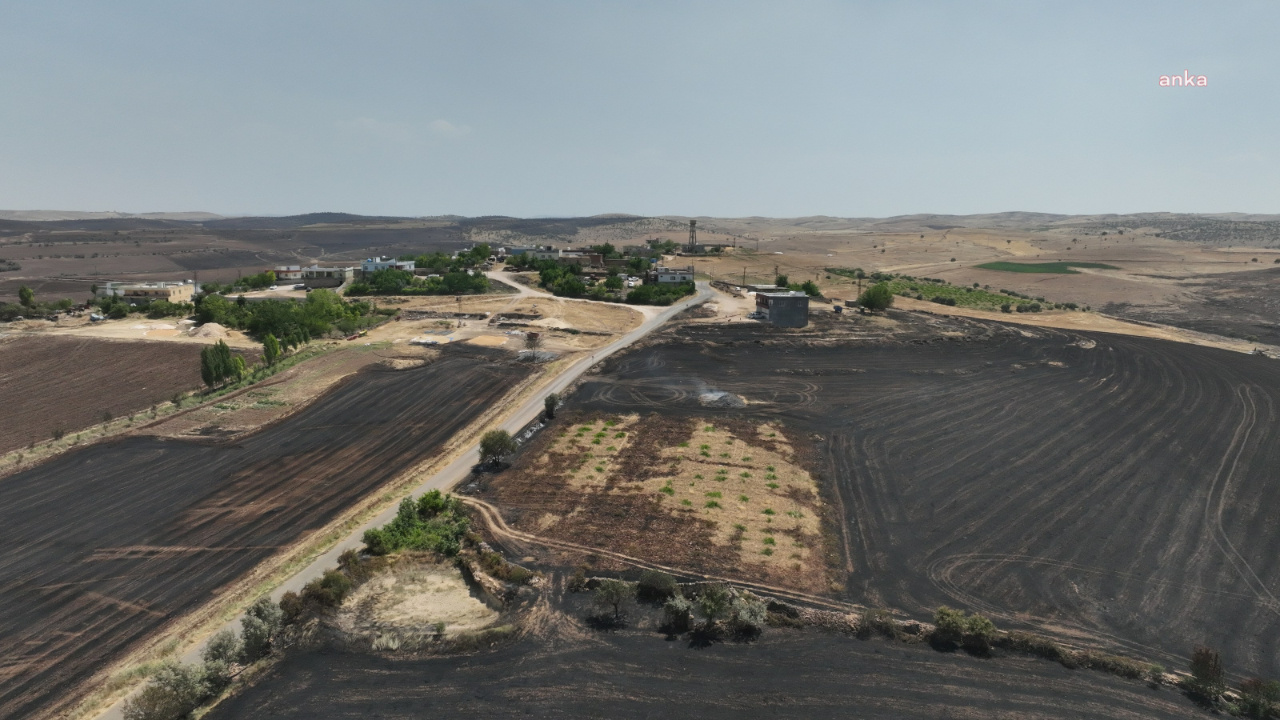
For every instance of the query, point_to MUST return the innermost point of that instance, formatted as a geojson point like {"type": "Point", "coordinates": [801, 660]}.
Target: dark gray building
{"type": "Point", "coordinates": [784, 309]}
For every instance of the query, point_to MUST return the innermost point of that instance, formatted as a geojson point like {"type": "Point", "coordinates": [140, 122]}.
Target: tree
{"type": "Point", "coordinates": [26, 296]}
{"type": "Point", "coordinates": [656, 585]}
{"type": "Point", "coordinates": [613, 594]}
{"type": "Point", "coordinates": [532, 340]}
{"type": "Point", "coordinates": [259, 627]}
{"type": "Point", "coordinates": [551, 402]}
{"type": "Point", "coordinates": [749, 614]}
{"type": "Point", "coordinates": [1207, 676]}
{"type": "Point", "coordinates": [613, 282]}
{"type": "Point", "coordinates": [270, 349]}
{"type": "Point", "coordinates": [781, 281]}
{"type": "Point", "coordinates": [876, 297]}
{"type": "Point", "coordinates": [677, 614]}
{"type": "Point", "coordinates": [172, 693]}
{"type": "Point", "coordinates": [217, 364]}
{"type": "Point", "coordinates": [810, 288]}
{"type": "Point", "coordinates": [713, 602]}
{"type": "Point", "coordinates": [495, 445]}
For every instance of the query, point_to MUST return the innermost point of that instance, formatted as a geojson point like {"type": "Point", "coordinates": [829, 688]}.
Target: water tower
{"type": "Point", "coordinates": [693, 237]}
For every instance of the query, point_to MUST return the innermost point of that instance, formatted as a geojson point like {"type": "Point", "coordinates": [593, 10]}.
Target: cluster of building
{"type": "Point", "coordinates": [594, 263]}
{"type": "Point", "coordinates": [333, 276]}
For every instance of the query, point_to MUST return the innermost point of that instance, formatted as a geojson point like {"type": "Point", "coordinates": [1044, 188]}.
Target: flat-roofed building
{"type": "Point", "coordinates": [784, 309]}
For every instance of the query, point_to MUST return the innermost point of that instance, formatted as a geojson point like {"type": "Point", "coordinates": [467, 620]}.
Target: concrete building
{"type": "Point", "coordinates": [175, 292]}
{"type": "Point", "coordinates": [375, 264]}
{"type": "Point", "coordinates": [288, 273]}
{"type": "Point", "coordinates": [784, 309]}
{"type": "Point", "coordinates": [663, 274]}
{"type": "Point", "coordinates": [317, 276]}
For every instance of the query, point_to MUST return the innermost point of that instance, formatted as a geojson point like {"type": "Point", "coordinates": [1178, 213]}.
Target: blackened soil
{"type": "Point", "coordinates": [1117, 489]}
{"type": "Point", "coordinates": [786, 674]}
{"type": "Point", "coordinates": [105, 545]}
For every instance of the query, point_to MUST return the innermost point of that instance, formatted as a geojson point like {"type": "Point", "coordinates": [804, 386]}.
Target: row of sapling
{"type": "Point", "coordinates": [711, 611]}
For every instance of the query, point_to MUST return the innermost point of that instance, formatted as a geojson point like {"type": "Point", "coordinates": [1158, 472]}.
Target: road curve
{"type": "Point", "coordinates": [460, 468]}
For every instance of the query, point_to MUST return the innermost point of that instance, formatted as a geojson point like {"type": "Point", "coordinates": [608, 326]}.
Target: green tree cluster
{"type": "Point", "coordinates": [436, 522]}
{"type": "Point", "coordinates": [218, 365]}
{"type": "Point", "coordinates": [293, 323]}
{"type": "Point", "coordinates": [973, 632]}
{"type": "Point", "coordinates": [496, 445]}
{"type": "Point", "coordinates": [249, 282]}
{"type": "Point", "coordinates": [876, 297]}
{"type": "Point", "coordinates": [402, 282]}
{"type": "Point", "coordinates": [659, 294]}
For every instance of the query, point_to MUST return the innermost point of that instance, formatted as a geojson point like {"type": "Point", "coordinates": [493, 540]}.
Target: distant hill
{"type": "Point", "coordinates": [55, 215]}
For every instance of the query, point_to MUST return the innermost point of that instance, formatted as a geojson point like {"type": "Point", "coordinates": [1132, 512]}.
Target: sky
{"type": "Point", "coordinates": [853, 109]}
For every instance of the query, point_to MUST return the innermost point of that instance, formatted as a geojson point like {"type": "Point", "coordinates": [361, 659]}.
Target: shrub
{"type": "Point", "coordinates": [436, 523]}
{"type": "Point", "coordinates": [223, 647]}
{"type": "Point", "coordinates": [1258, 697]}
{"type": "Point", "coordinates": [677, 614]}
{"type": "Point", "coordinates": [877, 620]}
{"type": "Point", "coordinates": [291, 607]}
{"type": "Point", "coordinates": [172, 693]}
{"type": "Point", "coordinates": [1207, 676]}
{"type": "Point", "coordinates": [656, 586]}
{"type": "Point", "coordinates": [876, 297]}
{"type": "Point", "coordinates": [328, 590]}
{"type": "Point", "coordinates": [713, 603]}
{"type": "Point", "coordinates": [748, 614]}
{"type": "Point", "coordinates": [261, 623]}
{"type": "Point", "coordinates": [1038, 645]}
{"type": "Point", "coordinates": [973, 632]}
{"type": "Point", "coordinates": [1114, 664]}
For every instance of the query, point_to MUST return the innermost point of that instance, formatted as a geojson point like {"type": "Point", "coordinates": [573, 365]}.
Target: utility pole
{"type": "Point", "coordinates": [744, 276]}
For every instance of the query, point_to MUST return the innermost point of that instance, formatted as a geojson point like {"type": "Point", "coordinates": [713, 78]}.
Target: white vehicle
{"type": "Point", "coordinates": [300, 286]}
{"type": "Point", "coordinates": [273, 287]}
{"type": "Point", "coordinates": [631, 283]}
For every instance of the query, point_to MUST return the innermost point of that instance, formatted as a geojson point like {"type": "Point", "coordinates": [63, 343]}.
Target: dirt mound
{"type": "Point", "coordinates": [721, 399]}
{"type": "Point", "coordinates": [209, 330]}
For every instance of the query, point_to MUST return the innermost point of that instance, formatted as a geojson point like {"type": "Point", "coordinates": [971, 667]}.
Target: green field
{"type": "Point", "coordinates": [937, 290]}
{"type": "Point", "coordinates": [1061, 268]}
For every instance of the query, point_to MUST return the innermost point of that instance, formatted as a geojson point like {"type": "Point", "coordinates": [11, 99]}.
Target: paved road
{"type": "Point", "coordinates": [460, 468]}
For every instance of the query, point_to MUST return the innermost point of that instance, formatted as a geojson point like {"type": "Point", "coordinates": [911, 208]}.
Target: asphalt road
{"type": "Point", "coordinates": [460, 468]}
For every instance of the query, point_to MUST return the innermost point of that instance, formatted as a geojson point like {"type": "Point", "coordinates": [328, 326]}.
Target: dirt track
{"type": "Point", "coordinates": [105, 545]}
{"type": "Point", "coordinates": [1095, 486]}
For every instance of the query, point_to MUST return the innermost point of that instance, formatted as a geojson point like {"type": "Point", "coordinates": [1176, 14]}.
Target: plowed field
{"type": "Point", "coordinates": [105, 545]}
{"type": "Point", "coordinates": [636, 674]}
{"type": "Point", "coordinates": [52, 383]}
{"type": "Point", "coordinates": [1118, 489]}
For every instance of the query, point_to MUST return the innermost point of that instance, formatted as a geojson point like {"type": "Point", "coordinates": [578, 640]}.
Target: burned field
{"type": "Point", "coordinates": [52, 384]}
{"type": "Point", "coordinates": [560, 670]}
{"type": "Point", "coordinates": [107, 544]}
{"type": "Point", "coordinates": [1104, 488]}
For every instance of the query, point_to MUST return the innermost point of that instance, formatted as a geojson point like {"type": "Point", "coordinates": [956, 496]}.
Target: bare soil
{"type": "Point", "coordinates": [61, 383]}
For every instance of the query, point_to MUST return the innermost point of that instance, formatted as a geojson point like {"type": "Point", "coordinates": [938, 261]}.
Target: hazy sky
{"type": "Point", "coordinates": [576, 108]}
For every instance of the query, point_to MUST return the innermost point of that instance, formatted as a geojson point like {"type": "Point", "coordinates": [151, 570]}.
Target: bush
{"type": "Point", "coordinates": [877, 620]}
{"type": "Point", "coordinates": [262, 621]}
{"type": "Point", "coordinates": [328, 590]}
{"type": "Point", "coordinates": [1114, 664]}
{"type": "Point", "coordinates": [223, 647]}
{"type": "Point", "coordinates": [171, 694]}
{"type": "Point", "coordinates": [656, 586]}
{"type": "Point", "coordinates": [1258, 697]}
{"type": "Point", "coordinates": [876, 297]}
{"type": "Point", "coordinates": [1006, 308]}
{"type": "Point", "coordinates": [1037, 645]}
{"type": "Point", "coordinates": [677, 614]}
{"type": "Point", "coordinates": [1207, 676]}
{"type": "Point", "coordinates": [973, 632]}
{"type": "Point", "coordinates": [291, 607]}
{"type": "Point", "coordinates": [436, 523]}
{"type": "Point", "coordinates": [748, 614]}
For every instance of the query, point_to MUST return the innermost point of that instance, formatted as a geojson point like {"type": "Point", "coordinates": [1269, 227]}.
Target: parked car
{"type": "Point", "coordinates": [273, 287]}
{"type": "Point", "coordinates": [300, 286]}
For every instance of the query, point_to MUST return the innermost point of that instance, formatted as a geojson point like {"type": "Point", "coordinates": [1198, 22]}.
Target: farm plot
{"type": "Point", "coordinates": [50, 384]}
{"type": "Point", "coordinates": [1112, 489]}
{"type": "Point", "coordinates": [723, 497]}
{"type": "Point", "coordinates": [107, 544]}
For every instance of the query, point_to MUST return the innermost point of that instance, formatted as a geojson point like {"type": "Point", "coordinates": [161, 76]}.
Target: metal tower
{"type": "Point", "coordinates": [693, 236]}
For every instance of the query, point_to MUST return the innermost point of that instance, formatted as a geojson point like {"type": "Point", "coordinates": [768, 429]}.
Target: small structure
{"type": "Point", "coordinates": [764, 288]}
{"type": "Point", "coordinates": [374, 264]}
{"type": "Point", "coordinates": [784, 309]}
